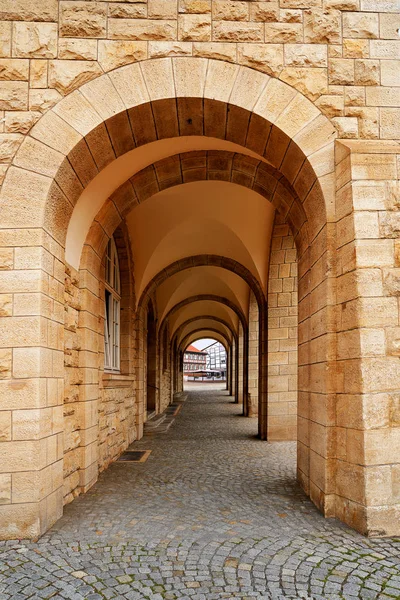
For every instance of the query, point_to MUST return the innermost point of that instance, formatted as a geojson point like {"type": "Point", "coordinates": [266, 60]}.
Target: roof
{"type": "Point", "coordinates": [193, 349]}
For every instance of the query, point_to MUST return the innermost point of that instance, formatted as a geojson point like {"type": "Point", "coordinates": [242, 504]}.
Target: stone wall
{"type": "Point", "coordinates": [342, 54]}
{"type": "Point", "coordinates": [282, 335]}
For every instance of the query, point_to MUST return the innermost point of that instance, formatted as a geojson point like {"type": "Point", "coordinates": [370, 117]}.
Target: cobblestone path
{"type": "Point", "coordinates": [213, 513]}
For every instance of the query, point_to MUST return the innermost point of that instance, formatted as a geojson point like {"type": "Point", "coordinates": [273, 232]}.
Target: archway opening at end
{"type": "Point", "coordinates": [205, 362]}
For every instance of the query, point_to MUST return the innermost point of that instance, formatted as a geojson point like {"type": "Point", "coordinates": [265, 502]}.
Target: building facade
{"type": "Point", "coordinates": [193, 360]}
{"type": "Point", "coordinates": [216, 358]}
{"type": "Point", "coordinates": [176, 169]}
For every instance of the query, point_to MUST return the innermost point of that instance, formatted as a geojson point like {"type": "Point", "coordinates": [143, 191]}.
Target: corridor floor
{"type": "Point", "coordinates": [213, 513]}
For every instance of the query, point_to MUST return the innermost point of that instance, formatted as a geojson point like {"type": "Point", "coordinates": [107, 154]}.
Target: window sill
{"type": "Point", "coordinates": [113, 379]}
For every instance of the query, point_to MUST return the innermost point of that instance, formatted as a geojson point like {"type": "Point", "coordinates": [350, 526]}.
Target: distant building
{"type": "Point", "coordinates": [193, 360]}
{"type": "Point", "coordinates": [216, 358]}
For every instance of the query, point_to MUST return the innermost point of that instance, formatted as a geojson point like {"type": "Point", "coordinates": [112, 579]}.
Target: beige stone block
{"type": "Point", "coordinates": [384, 5]}
{"type": "Point", "coordinates": [360, 25]}
{"type": "Point", "coordinates": [390, 73]}
{"type": "Point", "coordinates": [215, 50]}
{"type": "Point", "coordinates": [391, 282]}
{"type": "Point", "coordinates": [347, 127]}
{"type": "Point", "coordinates": [26, 10]}
{"type": "Point", "coordinates": [103, 96]}
{"type": "Point", "coordinates": [116, 53]}
{"type": "Point", "coordinates": [195, 6]}
{"type": "Point", "coordinates": [42, 100]}
{"type": "Point", "coordinates": [14, 69]}
{"type": "Point", "coordinates": [82, 19]}
{"type": "Point", "coordinates": [322, 26]}
{"type": "Point", "coordinates": [189, 76]}
{"type": "Point", "coordinates": [383, 96]}
{"type": "Point", "coordinates": [9, 144]}
{"type": "Point", "coordinates": [194, 27]}
{"type": "Point", "coordinates": [230, 31]}
{"type": "Point", "coordinates": [6, 305]}
{"type": "Point", "coordinates": [306, 55]}
{"type": "Point", "coordinates": [389, 123]}
{"type": "Point", "coordinates": [13, 95]}
{"type": "Point", "coordinates": [162, 9]}
{"type": "Point", "coordinates": [389, 25]}
{"type": "Point", "coordinates": [228, 10]}
{"type": "Point", "coordinates": [66, 76]}
{"type": "Point", "coordinates": [384, 49]}
{"type": "Point", "coordinates": [6, 258]}
{"type": "Point", "coordinates": [34, 40]}
{"type": "Point", "coordinates": [373, 166]}
{"type": "Point", "coordinates": [266, 58]}
{"type": "Point", "coordinates": [5, 363]}
{"type": "Point", "coordinates": [355, 48]}
{"type": "Point", "coordinates": [220, 80]}
{"type": "Point", "coordinates": [5, 487]}
{"type": "Point", "coordinates": [38, 73]}
{"type": "Point", "coordinates": [16, 455]}
{"type": "Point", "coordinates": [284, 33]}
{"type": "Point", "coordinates": [5, 38]}
{"type": "Point", "coordinates": [128, 11]}
{"type": "Point", "coordinates": [269, 11]}
{"type": "Point", "coordinates": [5, 426]}
{"type": "Point", "coordinates": [77, 49]}
{"type": "Point", "coordinates": [366, 72]}
{"type": "Point", "coordinates": [159, 79]}
{"type": "Point", "coordinates": [312, 82]}
{"type": "Point", "coordinates": [341, 71]}
{"type": "Point", "coordinates": [165, 49]}
{"type": "Point", "coordinates": [142, 29]}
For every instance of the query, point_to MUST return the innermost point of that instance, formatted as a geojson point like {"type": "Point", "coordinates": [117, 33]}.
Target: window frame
{"type": "Point", "coordinates": [112, 310]}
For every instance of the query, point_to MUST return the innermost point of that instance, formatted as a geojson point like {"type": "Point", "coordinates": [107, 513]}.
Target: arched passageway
{"type": "Point", "coordinates": [218, 187]}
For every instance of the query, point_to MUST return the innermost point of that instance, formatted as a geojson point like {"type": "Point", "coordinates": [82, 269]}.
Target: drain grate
{"type": "Point", "coordinates": [134, 456]}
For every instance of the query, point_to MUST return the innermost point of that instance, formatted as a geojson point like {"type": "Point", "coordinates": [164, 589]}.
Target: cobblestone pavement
{"type": "Point", "coordinates": [213, 513]}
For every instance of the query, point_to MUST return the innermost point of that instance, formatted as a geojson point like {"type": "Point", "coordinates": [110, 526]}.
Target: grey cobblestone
{"type": "Point", "coordinates": [214, 513]}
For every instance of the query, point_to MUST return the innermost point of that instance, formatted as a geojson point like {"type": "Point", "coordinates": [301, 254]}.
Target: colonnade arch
{"type": "Point", "coordinates": [146, 131]}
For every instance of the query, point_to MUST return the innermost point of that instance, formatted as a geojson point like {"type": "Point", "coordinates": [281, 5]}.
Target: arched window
{"type": "Point", "coordinates": [112, 301]}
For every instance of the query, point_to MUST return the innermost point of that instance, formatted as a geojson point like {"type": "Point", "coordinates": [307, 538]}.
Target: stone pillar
{"type": "Point", "coordinates": [282, 335]}
{"type": "Point", "coordinates": [368, 339]}
{"type": "Point", "coordinates": [31, 382]}
{"type": "Point", "coordinates": [240, 357]}
{"type": "Point", "coordinates": [253, 364]}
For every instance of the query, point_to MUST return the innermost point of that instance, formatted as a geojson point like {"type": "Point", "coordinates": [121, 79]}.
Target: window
{"type": "Point", "coordinates": [112, 302]}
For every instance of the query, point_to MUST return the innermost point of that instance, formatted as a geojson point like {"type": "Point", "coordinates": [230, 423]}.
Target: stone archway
{"type": "Point", "coordinates": [54, 168]}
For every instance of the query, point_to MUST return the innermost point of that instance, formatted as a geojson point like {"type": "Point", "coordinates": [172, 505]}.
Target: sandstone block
{"type": "Point", "coordinates": [83, 19]}
{"type": "Point", "coordinates": [14, 69]}
{"type": "Point", "coordinates": [229, 31]}
{"type": "Point", "coordinates": [163, 49]}
{"type": "Point", "coordinates": [360, 25]}
{"type": "Point", "coordinates": [34, 40]}
{"type": "Point", "coordinates": [5, 484]}
{"type": "Point", "coordinates": [65, 75]}
{"type": "Point", "coordinates": [290, 16]}
{"type": "Point", "coordinates": [195, 6]}
{"type": "Point", "coordinates": [347, 127]}
{"type": "Point", "coordinates": [390, 73]}
{"type": "Point", "coordinates": [194, 28]}
{"type": "Point", "coordinates": [216, 50]}
{"type": "Point", "coordinates": [27, 10]}
{"type": "Point", "coordinates": [13, 95]}
{"type": "Point", "coordinates": [383, 96]}
{"type": "Point", "coordinates": [6, 305]}
{"type": "Point", "coordinates": [9, 144]}
{"type": "Point", "coordinates": [366, 72]}
{"type": "Point", "coordinates": [390, 123]}
{"type": "Point", "coordinates": [113, 53]}
{"type": "Point", "coordinates": [341, 71]}
{"type": "Point", "coordinates": [5, 363]}
{"type": "Point", "coordinates": [390, 6]}
{"type": "Point", "coordinates": [162, 9]}
{"type": "Point", "coordinates": [127, 11]}
{"type": "Point", "coordinates": [266, 58]}
{"type": "Point", "coordinates": [306, 55]}
{"type": "Point", "coordinates": [77, 49]}
{"type": "Point", "coordinates": [322, 26]}
{"type": "Point", "coordinates": [38, 74]}
{"type": "Point", "coordinates": [390, 224]}
{"type": "Point", "coordinates": [5, 39]}
{"type": "Point", "coordinates": [331, 105]}
{"type": "Point", "coordinates": [227, 10]}
{"type": "Point", "coordinates": [268, 11]}
{"type": "Point", "coordinates": [343, 4]}
{"type": "Point", "coordinates": [389, 24]}
{"type": "Point", "coordinates": [141, 29]}
{"type": "Point", "coordinates": [20, 121]}
{"type": "Point", "coordinates": [284, 33]}
{"type": "Point", "coordinates": [384, 49]}
{"type": "Point", "coordinates": [354, 96]}
{"type": "Point", "coordinates": [309, 81]}
{"type": "Point", "coordinates": [42, 100]}
{"type": "Point", "coordinates": [355, 48]}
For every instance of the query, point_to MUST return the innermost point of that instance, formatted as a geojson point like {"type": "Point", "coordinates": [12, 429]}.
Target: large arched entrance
{"type": "Point", "coordinates": [145, 148]}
